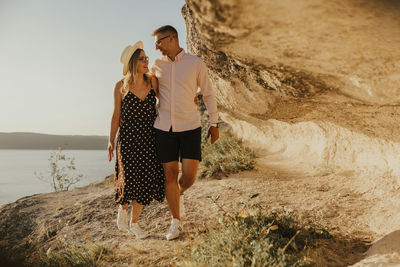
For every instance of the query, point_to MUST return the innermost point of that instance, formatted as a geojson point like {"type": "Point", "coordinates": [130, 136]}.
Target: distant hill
{"type": "Point", "coordinates": [47, 141]}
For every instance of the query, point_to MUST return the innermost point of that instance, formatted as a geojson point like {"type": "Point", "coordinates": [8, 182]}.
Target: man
{"type": "Point", "coordinates": [178, 127]}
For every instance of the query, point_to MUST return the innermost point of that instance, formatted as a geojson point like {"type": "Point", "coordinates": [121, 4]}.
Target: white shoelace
{"type": "Point", "coordinates": [174, 227]}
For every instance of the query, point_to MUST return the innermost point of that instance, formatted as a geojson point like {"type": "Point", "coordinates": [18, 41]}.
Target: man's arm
{"type": "Point", "coordinates": [154, 80]}
{"type": "Point", "coordinates": [154, 84]}
{"type": "Point", "coordinates": [203, 81]}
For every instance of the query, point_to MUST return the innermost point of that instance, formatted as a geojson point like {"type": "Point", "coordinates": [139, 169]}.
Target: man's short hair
{"type": "Point", "coordinates": [166, 29]}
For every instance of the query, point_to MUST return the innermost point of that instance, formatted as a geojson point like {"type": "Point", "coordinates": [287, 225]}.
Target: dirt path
{"type": "Point", "coordinates": [87, 215]}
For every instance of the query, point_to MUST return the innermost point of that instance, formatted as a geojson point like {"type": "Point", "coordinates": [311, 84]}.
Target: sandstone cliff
{"type": "Point", "coordinates": [312, 85]}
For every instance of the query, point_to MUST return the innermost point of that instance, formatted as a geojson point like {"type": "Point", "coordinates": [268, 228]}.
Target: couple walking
{"type": "Point", "coordinates": [151, 142]}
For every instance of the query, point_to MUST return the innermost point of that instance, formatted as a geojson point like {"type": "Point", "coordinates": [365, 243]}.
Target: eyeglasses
{"type": "Point", "coordinates": [143, 59]}
{"type": "Point", "coordinates": [158, 42]}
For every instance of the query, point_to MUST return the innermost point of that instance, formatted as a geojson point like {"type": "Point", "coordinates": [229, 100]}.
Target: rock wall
{"type": "Point", "coordinates": [243, 83]}
{"type": "Point", "coordinates": [312, 86]}
{"type": "Point", "coordinates": [300, 62]}
{"type": "Point", "coordinates": [298, 48]}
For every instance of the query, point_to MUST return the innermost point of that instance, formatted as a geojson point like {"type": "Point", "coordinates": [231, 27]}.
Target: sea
{"type": "Point", "coordinates": [18, 168]}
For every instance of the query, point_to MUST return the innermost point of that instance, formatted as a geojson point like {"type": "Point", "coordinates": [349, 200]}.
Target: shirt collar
{"type": "Point", "coordinates": [178, 57]}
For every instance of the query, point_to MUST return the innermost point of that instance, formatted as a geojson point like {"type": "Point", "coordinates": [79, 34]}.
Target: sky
{"type": "Point", "coordinates": [59, 60]}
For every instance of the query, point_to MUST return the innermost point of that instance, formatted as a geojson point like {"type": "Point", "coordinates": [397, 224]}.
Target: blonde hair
{"type": "Point", "coordinates": [166, 29]}
{"type": "Point", "coordinates": [132, 75]}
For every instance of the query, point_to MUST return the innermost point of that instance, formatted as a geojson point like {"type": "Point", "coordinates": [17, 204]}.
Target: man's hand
{"type": "Point", "coordinates": [214, 133]}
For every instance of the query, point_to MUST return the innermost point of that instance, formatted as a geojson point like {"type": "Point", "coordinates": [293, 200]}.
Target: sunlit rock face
{"type": "Point", "coordinates": [313, 86]}
{"type": "Point", "coordinates": [309, 63]}
{"type": "Point", "coordinates": [258, 50]}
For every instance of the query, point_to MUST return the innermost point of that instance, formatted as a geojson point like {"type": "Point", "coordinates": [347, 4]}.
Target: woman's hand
{"type": "Point", "coordinates": [110, 150]}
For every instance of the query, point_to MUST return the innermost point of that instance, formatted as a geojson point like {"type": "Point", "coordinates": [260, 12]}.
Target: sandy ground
{"type": "Point", "coordinates": [87, 215]}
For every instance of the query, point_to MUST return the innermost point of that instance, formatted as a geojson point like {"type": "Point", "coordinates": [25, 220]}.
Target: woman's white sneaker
{"type": "Point", "coordinates": [174, 230]}
{"type": "Point", "coordinates": [122, 219]}
{"type": "Point", "coordinates": [137, 231]}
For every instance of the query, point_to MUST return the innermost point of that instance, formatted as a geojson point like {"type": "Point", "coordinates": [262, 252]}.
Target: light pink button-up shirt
{"type": "Point", "coordinates": [179, 81]}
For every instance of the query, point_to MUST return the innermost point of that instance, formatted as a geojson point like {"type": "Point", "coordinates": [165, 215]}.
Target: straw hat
{"type": "Point", "coordinates": [127, 54]}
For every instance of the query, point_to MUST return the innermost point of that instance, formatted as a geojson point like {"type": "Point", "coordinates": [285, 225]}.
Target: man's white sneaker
{"type": "Point", "coordinates": [174, 230]}
{"type": "Point", "coordinates": [137, 231]}
{"type": "Point", "coordinates": [122, 219]}
{"type": "Point", "coordinates": [181, 207]}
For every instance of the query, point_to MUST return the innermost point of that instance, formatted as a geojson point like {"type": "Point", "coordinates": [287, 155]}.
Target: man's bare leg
{"type": "Point", "coordinates": [174, 191]}
{"type": "Point", "coordinates": [189, 171]}
{"type": "Point", "coordinates": [171, 171]}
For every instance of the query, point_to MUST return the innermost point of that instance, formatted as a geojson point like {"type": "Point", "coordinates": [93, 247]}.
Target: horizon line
{"type": "Point", "coordinates": [53, 134]}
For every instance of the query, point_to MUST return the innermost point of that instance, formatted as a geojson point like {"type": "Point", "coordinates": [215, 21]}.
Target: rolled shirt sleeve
{"type": "Point", "coordinates": [204, 83]}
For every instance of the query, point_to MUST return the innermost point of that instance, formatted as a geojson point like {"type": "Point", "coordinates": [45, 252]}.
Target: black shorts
{"type": "Point", "coordinates": [174, 146]}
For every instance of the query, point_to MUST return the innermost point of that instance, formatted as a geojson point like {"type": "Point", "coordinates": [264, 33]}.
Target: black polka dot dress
{"type": "Point", "coordinates": [138, 174]}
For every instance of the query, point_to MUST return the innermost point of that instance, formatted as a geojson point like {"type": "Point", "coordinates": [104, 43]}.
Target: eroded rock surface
{"type": "Point", "coordinates": [325, 72]}
{"type": "Point", "coordinates": [302, 47]}
{"type": "Point", "coordinates": [304, 61]}
{"type": "Point", "coordinates": [311, 85]}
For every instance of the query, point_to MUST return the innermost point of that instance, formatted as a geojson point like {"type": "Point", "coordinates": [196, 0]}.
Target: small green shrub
{"type": "Point", "coordinates": [61, 171]}
{"type": "Point", "coordinates": [245, 240]}
{"type": "Point", "coordinates": [227, 155]}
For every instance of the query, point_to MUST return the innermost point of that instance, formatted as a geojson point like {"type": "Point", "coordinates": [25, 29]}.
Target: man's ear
{"type": "Point", "coordinates": [175, 37]}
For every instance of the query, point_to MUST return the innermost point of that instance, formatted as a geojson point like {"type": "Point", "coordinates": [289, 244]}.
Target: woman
{"type": "Point", "coordinates": [139, 176]}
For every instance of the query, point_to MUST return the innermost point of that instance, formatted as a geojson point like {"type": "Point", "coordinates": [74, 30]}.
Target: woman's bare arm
{"type": "Point", "coordinates": [115, 120]}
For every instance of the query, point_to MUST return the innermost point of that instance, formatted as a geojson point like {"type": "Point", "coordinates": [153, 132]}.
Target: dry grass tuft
{"type": "Point", "coordinates": [88, 255]}
{"type": "Point", "coordinates": [253, 240]}
{"type": "Point", "coordinates": [227, 155]}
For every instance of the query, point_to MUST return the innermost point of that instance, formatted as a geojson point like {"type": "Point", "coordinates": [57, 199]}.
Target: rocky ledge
{"type": "Point", "coordinates": [311, 85]}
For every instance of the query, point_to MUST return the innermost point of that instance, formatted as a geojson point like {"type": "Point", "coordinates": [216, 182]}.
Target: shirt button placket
{"type": "Point", "coordinates": [173, 95]}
